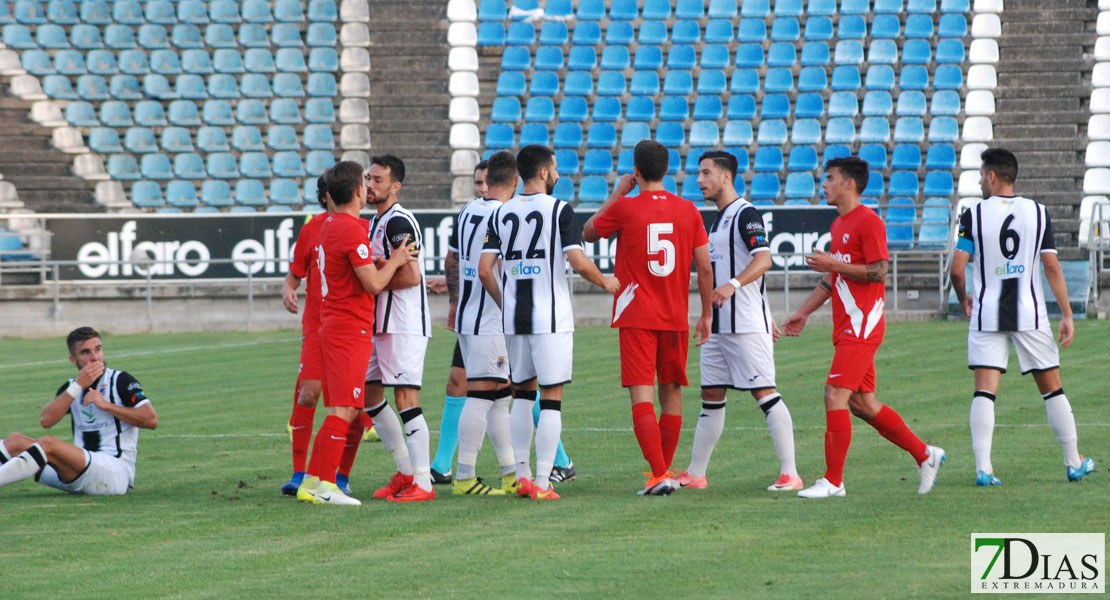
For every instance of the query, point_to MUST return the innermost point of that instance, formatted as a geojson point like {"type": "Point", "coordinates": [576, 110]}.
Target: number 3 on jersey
{"type": "Point", "coordinates": [320, 264]}
{"type": "Point", "coordinates": [665, 264]}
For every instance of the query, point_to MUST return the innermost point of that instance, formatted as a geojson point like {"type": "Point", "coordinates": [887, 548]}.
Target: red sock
{"type": "Point", "coordinates": [328, 448]}
{"type": "Point", "coordinates": [838, 437]}
{"type": "Point", "coordinates": [670, 428]}
{"type": "Point", "coordinates": [302, 433]}
{"type": "Point", "coordinates": [647, 433]}
{"type": "Point", "coordinates": [890, 425]}
{"type": "Point", "coordinates": [350, 447]}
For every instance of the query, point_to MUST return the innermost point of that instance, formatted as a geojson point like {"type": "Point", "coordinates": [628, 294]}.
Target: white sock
{"type": "Point", "coordinates": [24, 466]}
{"type": "Point", "coordinates": [472, 430]}
{"type": "Point", "coordinates": [520, 428]}
{"type": "Point", "coordinates": [711, 422]}
{"type": "Point", "coordinates": [416, 439]}
{"type": "Point", "coordinates": [1062, 422]}
{"type": "Point", "coordinates": [497, 427]}
{"type": "Point", "coordinates": [781, 427]}
{"type": "Point", "coordinates": [982, 429]}
{"type": "Point", "coordinates": [388, 427]}
{"type": "Point", "coordinates": [548, 431]}
{"type": "Point", "coordinates": [5, 456]}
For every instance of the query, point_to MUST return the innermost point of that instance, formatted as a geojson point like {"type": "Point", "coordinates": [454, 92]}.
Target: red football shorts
{"type": "Point", "coordinates": [853, 367]}
{"type": "Point", "coordinates": [345, 357]}
{"type": "Point", "coordinates": [649, 353]}
{"type": "Point", "coordinates": [312, 365]}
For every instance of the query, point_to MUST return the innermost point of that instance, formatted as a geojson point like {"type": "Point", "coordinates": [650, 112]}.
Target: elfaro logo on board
{"type": "Point", "coordinates": [1038, 563]}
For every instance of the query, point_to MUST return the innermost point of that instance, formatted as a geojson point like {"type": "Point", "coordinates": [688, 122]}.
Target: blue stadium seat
{"type": "Point", "coordinates": [903, 183]}
{"type": "Point", "coordinates": [785, 29]}
{"type": "Point", "coordinates": [679, 83]}
{"type": "Point", "coordinates": [520, 34]}
{"type": "Point", "coordinates": [751, 31]}
{"type": "Point", "coordinates": [718, 31]}
{"type": "Point", "coordinates": [775, 106]}
{"type": "Point", "coordinates": [689, 9]}
{"type": "Point", "coordinates": [516, 58]}
{"type": "Point", "coordinates": [553, 33]}
{"type": "Point", "coordinates": [840, 130]}
{"type": "Point", "coordinates": [737, 133]}
{"type": "Point", "coordinates": [919, 27]}
{"type": "Point", "coordinates": [900, 215]}
{"type": "Point", "coordinates": [818, 28]}
{"type": "Point", "coordinates": [800, 185]}
{"type": "Point", "coordinates": [211, 139]}
{"type": "Point", "coordinates": [874, 154]}
{"type": "Point", "coordinates": [597, 162]}
{"type": "Point", "coordinates": [180, 194]}
{"type": "Point", "coordinates": [916, 52]}
{"type": "Point", "coordinates": [119, 37]}
{"type": "Point", "coordinates": [247, 138]}
{"type": "Point", "coordinates": [809, 106]}
{"type": "Point", "coordinates": [906, 156]}
{"type": "Point", "coordinates": [615, 58]}
{"type": "Point", "coordinates": [875, 184]}
{"type": "Point", "coordinates": [253, 112]}
{"type": "Point", "coordinates": [686, 32]}
{"type": "Point", "coordinates": [104, 140]}
{"type": "Point", "coordinates": [815, 54]}
{"type": "Point", "coordinates": [768, 158]}
{"type": "Point", "coordinates": [491, 33]}
{"type": "Point", "coordinates": [955, 6]}
{"type": "Point", "coordinates": [648, 57]}
{"type": "Point", "coordinates": [690, 188]}
{"type": "Point", "coordinates": [577, 83]}
{"type": "Point", "coordinates": [778, 80]}
{"type": "Point", "coordinates": [781, 54]}
{"type": "Point", "coordinates": [319, 110]}
{"type": "Point", "coordinates": [81, 114]}
{"type": "Point", "coordinates": [220, 35]}
{"type": "Point", "coordinates": [492, 10]}
{"type": "Point", "coordinates": [573, 108]}
{"type": "Point", "coordinates": [952, 25]}
{"type": "Point", "coordinates": [835, 151]}
{"type": "Point", "coordinates": [704, 133]}
{"type": "Point", "coordinates": [632, 133]}
{"type": "Point", "coordinates": [250, 192]}
{"type": "Point", "coordinates": [586, 34]}
{"type": "Point", "coordinates": [644, 83]}
{"type": "Point", "coordinates": [741, 107]}
{"type": "Point", "coordinates": [85, 36]}
{"type": "Point", "coordinates": [806, 131]}
{"type": "Point", "coordinates": [913, 77]}
{"type": "Point", "coordinates": [625, 162]}
{"type": "Point", "coordinates": [708, 108]}
{"type": "Point", "coordinates": [218, 112]}
{"type": "Point", "coordinates": [812, 79]}
{"type": "Point", "coordinates": [656, 9]}
{"type": "Point", "coordinates": [160, 12]}
{"type": "Point", "coordinates": [512, 84]}
{"type": "Point", "coordinates": [611, 83]}
{"type": "Point", "coordinates": [711, 82]}
{"type": "Point", "coordinates": [674, 161]}
{"type": "Point", "coordinates": [154, 37]}
{"type": "Point", "coordinates": [885, 27]}
{"type": "Point", "coordinates": [321, 59]}
{"type": "Point", "coordinates": [674, 108]}
{"type": "Point", "coordinates": [879, 77]}
{"type": "Point", "coordinates": [567, 135]}
{"type": "Point", "coordinates": [192, 12]}
{"type": "Point", "coordinates": [802, 158]}
{"type": "Point", "coordinates": [37, 62]}
{"type": "Point", "coordinates": [714, 56]}
{"type": "Point", "coordinates": [257, 11]}
{"type": "Point", "coordinates": [115, 114]}
{"type": "Point", "coordinates": [623, 10]}
{"type": "Point", "coordinates": [946, 103]}
{"type": "Point", "coordinates": [91, 87]}
{"type": "Point", "coordinates": [284, 137]}
{"type": "Point", "coordinates": [59, 87]}
{"type": "Point", "coordinates": [874, 129]}
{"type": "Point", "coordinates": [215, 193]}
{"type": "Point", "coordinates": [140, 140]}
{"type": "Point", "coordinates": [851, 27]}
{"type": "Point", "coordinates": [61, 12]}
{"type": "Point", "coordinates": [692, 159]}
{"type": "Point", "coordinates": [261, 60]}
{"type": "Point", "coordinates": [286, 85]}
{"type": "Point", "coordinates": [950, 52]}
{"type": "Point", "coordinates": [539, 108]}
{"type": "Point", "coordinates": [581, 58]}
{"type": "Point", "coordinates": [670, 134]}
{"type": "Point", "coordinates": [97, 62]}
{"type": "Point", "coordinates": [255, 165]}
{"type": "Point", "coordinates": [147, 194]}
{"type": "Point", "coordinates": [601, 135]}
{"type": "Point", "coordinates": [640, 108]}
{"type": "Point", "coordinates": [184, 113]}
{"type": "Point", "coordinates": [882, 52]}
{"type": "Point", "coordinates": [165, 62]}
{"type": "Point", "coordinates": [253, 35]}
{"type": "Point", "coordinates": [319, 34]}
{"type": "Point", "coordinates": [567, 162]}
{"type": "Point", "coordinates": [749, 55]}
{"type": "Point", "coordinates": [726, 9]}
{"type": "Point", "coordinates": [765, 186]}
{"type": "Point", "coordinates": [176, 139]}
{"type": "Point", "coordinates": [220, 85]}
{"type": "Point", "coordinates": [909, 129]}
{"type": "Point", "coordinates": [888, 6]}
{"type": "Point", "coordinates": [948, 77]}
{"type": "Point", "coordinates": [50, 36]}
{"type": "Point", "coordinates": [843, 104]}
{"type": "Point", "coordinates": [771, 132]}
{"type": "Point", "coordinates": [877, 104]}
{"type": "Point", "coordinates": [564, 189]}
{"type": "Point", "coordinates": [911, 103]}
{"type": "Point", "coordinates": [619, 33]}
{"type": "Point", "coordinates": [189, 166]}
{"type": "Point", "coordinates": [156, 166]}
{"type": "Point", "coordinates": [943, 129]}
{"type": "Point", "coordinates": [93, 12]}
{"type": "Point", "coordinates": [821, 7]}
{"type": "Point", "coordinates": [500, 136]}
{"type": "Point", "coordinates": [936, 210]}
{"type": "Point", "coordinates": [544, 83]}
{"type": "Point", "coordinates": [848, 52]}
{"type": "Point", "coordinates": [288, 164]}
{"type": "Point", "coordinates": [223, 11]}
{"type": "Point", "coordinates": [126, 12]}
{"type": "Point", "coordinates": [196, 61]}
{"type": "Point", "coordinates": [940, 157]}
{"type": "Point", "coordinates": [123, 167]}
{"type": "Point", "coordinates": [284, 192]}
{"type": "Point", "coordinates": [921, 6]}
{"type": "Point", "coordinates": [681, 57]}
{"type": "Point", "coordinates": [505, 108]}
{"type": "Point", "coordinates": [788, 8]}
{"type": "Point", "coordinates": [590, 10]}
{"type": "Point", "coordinates": [593, 189]}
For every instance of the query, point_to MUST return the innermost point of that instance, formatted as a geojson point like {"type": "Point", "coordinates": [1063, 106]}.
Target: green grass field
{"type": "Point", "coordinates": [206, 518]}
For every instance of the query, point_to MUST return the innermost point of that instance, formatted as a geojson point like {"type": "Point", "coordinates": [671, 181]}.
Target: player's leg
{"type": "Point", "coordinates": [361, 423]}
{"type": "Point", "coordinates": [521, 427]}
{"type": "Point", "coordinates": [891, 426]}
{"type": "Point", "coordinates": [564, 469]}
{"type": "Point", "coordinates": [716, 378]}
{"type": "Point", "coordinates": [637, 349]}
{"type": "Point", "coordinates": [307, 396]}
{"type": "Point", "coordinates": [781, 426]}
{"type": "Point", "coordinates": [670, 370]}
{"type": "Point", "coordinates": [670, 420]}
{"type": "Point", "coordinates": [551, 354]}
{"type": "Point", "coordinates": [838, 435]}
{"type": "Point", "coordinates": [26, 457]}
{"type": "Point", "coordinates": [387, 425]}
{"type": "Point", "coordinates": [988, 353]}
{"type": "Point", "coordinates": [449, 425]}
{"type": "Point", "coordinates": [403, 369]}
{"type": "Point", "coordinates": [487, 389]}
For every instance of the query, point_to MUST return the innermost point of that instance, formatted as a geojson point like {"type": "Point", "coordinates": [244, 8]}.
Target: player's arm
{"type": "Point", "coordinates": [57, 408]}
{"type": "Point", "coordinates": [1055, 276]}
{"type": "Point", "coordinates": [589, 271]}
{"type": "Point", "coordinates": [624, 185]}
{"type": "Point", "coordinates": [397, 230]}
{"type": "Point", "coordinates": [797, 321]}
{"type": "Point", "coordinates": [965, 245]}
{"type": "Point", "coordinates": [139, 416]}
{"type": "Point", "coordinates": [451, 274]}
{"type": "Point", "coordinates": [374, 279]}
{"type": "Point", "coordinates": [872, 272]}
{"type": "Point", "coordinates": [704, 266]}
{"type": "Point", "coordinates": [488, 276]}
{"type": "Point", "coordinates": [289, 292]}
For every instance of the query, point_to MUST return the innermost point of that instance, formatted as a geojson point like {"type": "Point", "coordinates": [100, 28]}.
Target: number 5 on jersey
{"type": "Point", "coordinates": [656, 245]}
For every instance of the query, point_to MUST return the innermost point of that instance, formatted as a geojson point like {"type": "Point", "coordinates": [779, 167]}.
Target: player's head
{"type": "Point", "coordinates": [845, 177]}
{"type": "Point", "coordinates": [384, 179]}
{"type": "Point", "coordinates": [322, 189]}
{"type": "Point", "coordinates": [344, 181]}
{"type": "Point", "coordinates": [501, 173]}
{"type": "Point", "coordinates": [481, 183]}
{"type": "Point", "coordinates": [998, 172]}
{"type": "Point", "coordinates": [650, 160]}
{"type": "Point", "coordinates": [84, 346]}
{"type": "Point", "coordinates": [716, 174]}
{"type": "Point", "coordinates": [535, 162]}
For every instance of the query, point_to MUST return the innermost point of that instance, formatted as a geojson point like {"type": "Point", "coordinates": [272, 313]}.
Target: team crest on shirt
{"type": "Point", "coordinates": [844, 240]}
{"type": "Point", "coordinates": [500, 362]}
{"type": "Point", "coordinates": [363, 251]}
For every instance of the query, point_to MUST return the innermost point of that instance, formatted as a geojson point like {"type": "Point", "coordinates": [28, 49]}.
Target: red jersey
{"type": "Point", "coordinates": [303, 266]}
{"type": "Point", "coordinates": [658, 234]}
{"type": "Point", "coordinates": [858, 238]}
{"type": "Point", "coordinates": [343, 245]}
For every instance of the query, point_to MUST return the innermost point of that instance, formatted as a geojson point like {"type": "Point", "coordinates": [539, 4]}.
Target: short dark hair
{"type": "Point", "coordinates": [79, 335]}
{"type": "Point", "coordinates": [501, 169]}
{"type": "Point", "coordinates": [481, 165]}
{"type": "Point", "coordinates": [395, 165]}
{"type": "Point", "coordinates": [723, 160]}
{"type": "Point", "coordinates": [853, 168]}
{"type": "Point", "coordinates": [322, 188]}
{"type": "Point", "coordinates": [343, 179]}
{"type": "Point", "coordinates": [1001, 162]}
{"type": "Point", "coordinates": [651, 159]}
{"type": "Point", "coordinates": [531, 159]}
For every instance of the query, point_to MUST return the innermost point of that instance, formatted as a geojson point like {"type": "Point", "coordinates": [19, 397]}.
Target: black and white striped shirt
{"type": "Point", "coordinates": [403, 311]}
{"type": "Point", "coordinates": [98, 431]}
{"type": "Point", "coordinates": [477, 313]}
{"type": "Point", "coordinates": [736, 235]}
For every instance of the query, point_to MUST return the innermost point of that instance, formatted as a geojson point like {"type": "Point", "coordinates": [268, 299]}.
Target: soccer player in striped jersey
{"type": "Point", "coordinates": [349, 278]}
{"type": "Point", "coordinates": [456, 379]}
{"type": "Point", "coordinates": [402, 326]}
{"type": "Point", "coordinates": [1008, 240]}
{"type": "Point", "coordinates": [106, 408]}
{"type": "Point", "coordinates": [855, 271]}
{"type": "Point", "coordinates": [740, 353]}
{"type": "Point", "coordinates": [535, 235]}
{"type": "Point", "coordinates": [482, 339]}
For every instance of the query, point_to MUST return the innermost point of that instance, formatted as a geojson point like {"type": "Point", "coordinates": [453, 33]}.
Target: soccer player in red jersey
{"type": "Point", "coordinates": [855, 277]}
{"type": "Point", "coordinates": [348, 281]}
{"type": "Point", "coordinates": [660, 236]}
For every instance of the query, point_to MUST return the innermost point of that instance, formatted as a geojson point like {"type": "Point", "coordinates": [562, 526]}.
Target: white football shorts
{"type": "Point", "coordinates": [397, 360]}
{"type": "Point", "coordinates": [486, 357]}
{"type": "Point", "coordinates": [546, 356]}
{"type": "Point", "coordinates": [104, 475]}
{"type": "Point", "coordinates": [741, 361]}
{"type": "Point", "coordinates": [1036, 349]}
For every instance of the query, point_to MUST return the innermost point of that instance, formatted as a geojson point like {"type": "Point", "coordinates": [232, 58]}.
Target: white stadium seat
{"type": "Point", "coordinates": [111, 194]}
{"type": "Point", "coordinates": [979, 102]}
{"type": "Point", "coordinates": [1104, 4]}
{"type": "Point", "coordinates": [354, 11]}
{"type": "Point", "coordinates": [354, 59]}
{"type": "Point", "coordinates": [987, 25]}
{"type": "Point", "coordinates": [89, 166]}
{"type": "Point", "coordinates": [68, 139]}
{"type": "Point", "coordinates": [465, 136]}
{"type": "Point", "coordinates": [463, 84]}
{"type": "Point", "coordinates": [462, 10]}
{"type": "Point", "coordinates": [1098, 154]}
{"type": "Point", "coordinates": [464, 161]}
{"type": "Point", "coordinates": [1102, 48]}
{"type": "Point", "coordinates": [1097, 209]}
{"type": "Point", "coordinates": [354, 85]}
{"type": "Point", "coordinates": [462, 34]}
{"type": "Point", "coordinates": [988, 6]}
{"type": "Point", "coordinates": [983, 50]}
{"type": "Point", "coordinates": [354, 34]}
{"type": "Point", "coordinates": [47, 113]}
{"type": "Point", "coordinates": [1102, 25]}
{"type": "Point", "coordinates": [978, 129]}
{"type": "Point", "coordinates": [354, 110]}
{"type": "Point", "coordinates": [10, 64]}
{"type": "Point", "coordinates": [462, 189]}
{"type": "Point", "coordinates": [969, 156]}
{"type": "Point", "coordinates": [969, 184]}
{"type": "Point", "coordinates": [1096, 182]}
{"type": "Point", "coordinates": [1100, 100]}
{"type": "Point", "coordinates": [27, 87]}
{"type": "Point", "coordinates": [359, 156]}
{"type": "Point", "coordinates": [1098, 127]}
{"type": "Point", "coordinates": [462, 58]}
{"type": "Point", "coordinates": [982, 77]}
{"type": "Point", "coordinates": [1100, 75]}
{"type": "Point", "coordinates": [463, 110]}
{"type": "Point", "coordinates": [9, 196]}
{"type": "Point", "coordinates": [354, 136]}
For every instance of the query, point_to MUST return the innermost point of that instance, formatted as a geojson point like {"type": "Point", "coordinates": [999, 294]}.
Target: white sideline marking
{"type": "Point", "coordinates": [114, 355]}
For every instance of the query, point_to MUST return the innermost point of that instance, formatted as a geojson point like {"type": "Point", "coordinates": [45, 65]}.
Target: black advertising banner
{"type": "Point", "coordinates": [185, 246]}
